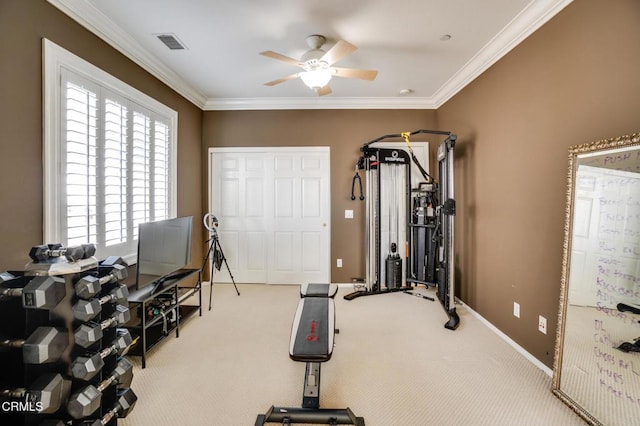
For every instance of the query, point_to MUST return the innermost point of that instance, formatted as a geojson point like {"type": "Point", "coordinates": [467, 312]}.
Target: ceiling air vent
{"type": "Point", "coordinates": [171, 41]}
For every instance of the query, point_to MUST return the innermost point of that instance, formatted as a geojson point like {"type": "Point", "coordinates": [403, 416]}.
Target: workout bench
{"type": "Point", "coordinates": [311, 341]}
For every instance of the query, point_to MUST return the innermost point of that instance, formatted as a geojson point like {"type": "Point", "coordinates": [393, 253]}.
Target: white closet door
{"type": "Point", "coordinates": [239, 189]}
{"type": "Point", "coordinates": [273, 205]}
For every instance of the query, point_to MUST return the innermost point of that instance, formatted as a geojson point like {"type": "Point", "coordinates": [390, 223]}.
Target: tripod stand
{"type": "Point", "coordinates": [211, 223]}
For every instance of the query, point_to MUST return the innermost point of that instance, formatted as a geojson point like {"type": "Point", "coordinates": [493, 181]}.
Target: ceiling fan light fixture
{"type": "Point", "coordinates": [317, 65]}
{"type": "Point", "coordinates": [316, 78]}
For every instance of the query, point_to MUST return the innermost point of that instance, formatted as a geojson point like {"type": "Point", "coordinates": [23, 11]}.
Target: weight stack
{"type": "Point", "coordinates": [393, 269]}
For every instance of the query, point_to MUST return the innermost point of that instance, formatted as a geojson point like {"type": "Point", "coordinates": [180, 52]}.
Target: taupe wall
{"type": "Point", "coordinates": [574, 81]}
{"type": "Point", "coordinates": [23, 24]}
{"type": "Point", "coordinates": [344, 132]}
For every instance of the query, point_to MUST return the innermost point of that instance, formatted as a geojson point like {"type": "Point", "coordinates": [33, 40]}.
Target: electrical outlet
{"type": "Point", "coordinates": [516, 309]}
{"type": "Point", "coordinates": [348, 214]}
{"type": "Point", "coordinates": [339, 263]}
{"type": "Point", "coordinates": [542, 324]}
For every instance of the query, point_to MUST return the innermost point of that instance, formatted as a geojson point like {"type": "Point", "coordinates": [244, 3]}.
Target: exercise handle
{"type": "Point", "coordinates": [353, 184]}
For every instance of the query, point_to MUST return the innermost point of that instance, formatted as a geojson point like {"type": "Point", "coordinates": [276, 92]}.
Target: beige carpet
{"type": "Point", "coordinates": [393, 364]}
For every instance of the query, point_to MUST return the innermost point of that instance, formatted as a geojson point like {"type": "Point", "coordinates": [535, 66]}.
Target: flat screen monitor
{"type": "Point", "coordinates": [164, 247]}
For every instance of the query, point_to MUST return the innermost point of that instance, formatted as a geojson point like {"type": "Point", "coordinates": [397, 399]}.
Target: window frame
{"type": "Point", "coordinates": [55, 60]}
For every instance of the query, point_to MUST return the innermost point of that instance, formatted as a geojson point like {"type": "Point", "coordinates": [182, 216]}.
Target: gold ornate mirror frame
{"type": "Point", "coordinates": [591, 374]}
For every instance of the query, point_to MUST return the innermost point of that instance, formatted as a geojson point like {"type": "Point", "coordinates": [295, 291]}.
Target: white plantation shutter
{"type": "Point", "coordinates": [110, 166]}
{"type": "Point", "coordinates": [114, 167]}
{"type": "Point", "coordinates": [151, 164]}
{"type": "Point", "coordinates": [80, 160]}
{"type": "Point", "coordinates": [141, 173]}
{"type": "Point", "coordinates": [160, 166]}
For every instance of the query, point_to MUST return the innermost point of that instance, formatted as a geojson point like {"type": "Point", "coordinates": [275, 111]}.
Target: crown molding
{"type": "Point", "coordinates": [85, 14]}
{"type": "Point", "coordinates": [317, 103]}
{"type": "Point", "coordinates": [535, 15]}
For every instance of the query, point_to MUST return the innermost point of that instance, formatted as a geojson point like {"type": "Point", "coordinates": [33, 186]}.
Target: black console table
{"type": "Point", "coordinates": [161, 310]}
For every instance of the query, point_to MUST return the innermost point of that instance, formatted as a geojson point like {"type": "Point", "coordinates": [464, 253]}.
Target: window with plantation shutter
{"type": "Point", "coordinates": [110, 157]}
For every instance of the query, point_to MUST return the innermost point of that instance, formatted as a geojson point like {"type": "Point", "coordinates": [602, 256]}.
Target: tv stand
{"type": "Point", "coordinates": [161, 308]}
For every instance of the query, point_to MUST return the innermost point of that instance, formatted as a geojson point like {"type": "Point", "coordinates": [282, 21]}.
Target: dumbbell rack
{"type": "Point", "coordinates": [16, 322]}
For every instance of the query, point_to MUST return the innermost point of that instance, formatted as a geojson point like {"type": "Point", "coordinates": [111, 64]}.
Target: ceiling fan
{"type": "Point", "coordinates": [317, 65]}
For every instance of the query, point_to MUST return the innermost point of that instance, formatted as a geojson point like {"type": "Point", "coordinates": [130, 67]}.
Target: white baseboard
{"type": "Point", "coordinates": [535, 361]}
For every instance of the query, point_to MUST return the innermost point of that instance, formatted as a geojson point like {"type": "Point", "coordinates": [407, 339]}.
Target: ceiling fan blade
{"type": "Point", "coordinates": [324, 90]}
{"type": "Point", "coordinates": [280, 57]}
{"type": "Point", "coordinates": [355, 73]}
{"type": "Point", "coordinates": [338, 51]}
{"type": "Point", "coordinates": [281, 80]}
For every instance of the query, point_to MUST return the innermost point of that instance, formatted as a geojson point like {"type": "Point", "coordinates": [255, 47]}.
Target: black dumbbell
{"type": "Point", "coordinates": [89, 250]}
{"type": "Point", "coordinates": [42, 292]}
{"type": "Point", "coordinates": [72, 254]}
{"type": "Point", "coordinates": [113, 260]}
{"type": "Point", "coordinates": [86, 310]}
{"type": "Point", "coordinates": [123, 406]}
{"type": "Point", "coordinates": [85, 367]}
{"type": "Point", "coordinates": [89, 333]}
{"type": "Point", "coordinates": [83, 403]}
{"type": "Point", "coordinates": [48, 392]}
{"type": "Point", "coordinates": [44, 345]}
{"type": "Point", "coordinates": [90, 285]}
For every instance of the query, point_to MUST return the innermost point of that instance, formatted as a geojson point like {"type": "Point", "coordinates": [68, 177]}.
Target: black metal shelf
{"type": "Point", "coordinates": [150, 331]}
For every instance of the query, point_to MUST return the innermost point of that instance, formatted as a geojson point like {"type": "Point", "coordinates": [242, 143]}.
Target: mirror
{"type": "Point", "coordinates": [597, 355]}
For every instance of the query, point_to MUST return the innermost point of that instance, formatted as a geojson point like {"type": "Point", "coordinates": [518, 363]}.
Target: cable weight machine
{"type": "Point", "coordinates": [418, 220]}
{"type": "Point", "coordinates": [387, 209]}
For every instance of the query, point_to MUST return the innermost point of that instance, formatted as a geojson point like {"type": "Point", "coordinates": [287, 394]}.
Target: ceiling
{"type": "Point", "coordinates": [221, 67]}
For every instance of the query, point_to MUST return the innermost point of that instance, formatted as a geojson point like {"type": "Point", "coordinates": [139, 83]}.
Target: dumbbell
{"type": "Point", "coordinates": [42, 292]}
{"type": "Point", "coordinates": [89, 333]}
{"type": "Point", "coordinates": [87, 400]}
{"type": "Point", "coordinates": [85, 367]}
{"type": "Point", "coordinates": [49, 391]}
{"type": "Point", "coordinates": [46, 252]}
{"type": "Point", "coordinates": [112, 260]}
{"type": "Point", "coordinates": [123, 406]}
{"type": "Point", "coordinates": [44, 345]}
{"type": "Point", "coordinates": [90, 285]}
{"type": "Point", "coordinates": [86, 310]}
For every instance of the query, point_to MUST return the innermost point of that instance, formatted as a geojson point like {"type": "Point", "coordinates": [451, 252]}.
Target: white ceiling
{"type": "Point", "coordinates": [222, 69]}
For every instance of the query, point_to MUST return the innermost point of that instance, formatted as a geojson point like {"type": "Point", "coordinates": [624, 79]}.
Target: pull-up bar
{"type": "Point", "coordinates": [405, 136]}
{"type": "Point", "coordinates": [401, 135]}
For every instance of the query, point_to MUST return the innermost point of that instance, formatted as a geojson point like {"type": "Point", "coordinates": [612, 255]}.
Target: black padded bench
{"type": "Point", "coordinates": [318, 290]}
{"type": "Point", "coordinates": [312, 335]}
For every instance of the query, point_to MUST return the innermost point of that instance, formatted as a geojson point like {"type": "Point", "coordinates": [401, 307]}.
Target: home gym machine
{"type": "Point", "coordinates": [420, 219]}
